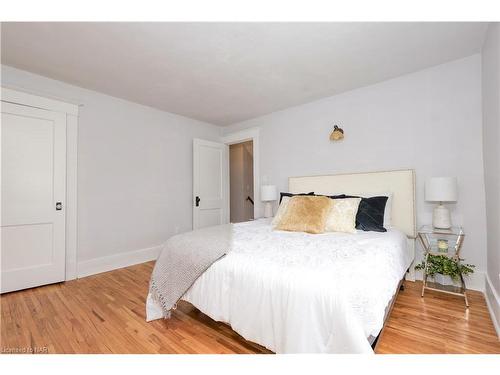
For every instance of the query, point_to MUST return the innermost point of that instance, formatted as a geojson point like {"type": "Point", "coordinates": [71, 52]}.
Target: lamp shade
{"type": "Point", "coordinates": [268, 193]}
{"type": "Point", "coordinates": [441, 189]}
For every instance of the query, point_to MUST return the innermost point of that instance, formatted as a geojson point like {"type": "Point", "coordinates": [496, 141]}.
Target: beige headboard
{"type": "Point", "coordinates": [401, 183]}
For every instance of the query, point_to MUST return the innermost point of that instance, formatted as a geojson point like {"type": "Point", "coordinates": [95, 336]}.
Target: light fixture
{"type": "Point", "coordinates": [337, 134]}
{"type": "Point", "coordinates": [268, 194]}
{"type": "Point", "coordinates": [441, 189]}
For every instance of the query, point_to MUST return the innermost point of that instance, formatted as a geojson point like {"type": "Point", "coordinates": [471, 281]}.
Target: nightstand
{"type": "Point", "coordinates": [445, 242]}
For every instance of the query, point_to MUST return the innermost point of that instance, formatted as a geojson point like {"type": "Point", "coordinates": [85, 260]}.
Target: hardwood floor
{"type": "Point", "coordinates": [105, 314]}
{"type": "Point", "coordinates": [438, 323]}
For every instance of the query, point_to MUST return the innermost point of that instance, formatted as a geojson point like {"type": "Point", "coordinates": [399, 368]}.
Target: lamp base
{"type": "Point", "coordinates": [441, 218]}
{"type": "Point", "coordinates": [268, 209]}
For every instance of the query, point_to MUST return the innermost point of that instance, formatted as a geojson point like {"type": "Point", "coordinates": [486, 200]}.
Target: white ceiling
{"type": "Point", "coordinates": [224, 73]}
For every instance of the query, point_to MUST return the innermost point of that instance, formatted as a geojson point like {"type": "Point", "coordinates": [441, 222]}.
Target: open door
{"type": "Point", "coordinates": [210, 183]}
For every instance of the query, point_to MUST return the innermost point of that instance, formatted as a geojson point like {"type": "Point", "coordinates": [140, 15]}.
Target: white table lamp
{"type": "Point", "coordinates": [268, 194]}
{"type": "Point", "coordinates": [441, 189]}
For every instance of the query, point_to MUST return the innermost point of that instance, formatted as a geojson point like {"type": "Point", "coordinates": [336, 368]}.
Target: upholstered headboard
{"type": "Point", "coordinates": [400, 183]}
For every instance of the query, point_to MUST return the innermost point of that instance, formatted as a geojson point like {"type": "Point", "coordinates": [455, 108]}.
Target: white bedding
{"type": "Point", "coordinates": [298, 292]}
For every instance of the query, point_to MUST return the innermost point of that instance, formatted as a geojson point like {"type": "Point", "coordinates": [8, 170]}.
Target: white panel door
{"type": "Point", "coordinates": [210, 183]}
{"type": "Point", "coordinates": [33, 175]}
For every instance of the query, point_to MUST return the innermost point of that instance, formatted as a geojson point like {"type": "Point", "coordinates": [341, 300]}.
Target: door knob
{"type": "Point", "coordinates": [197, 201]}
{"type": "Point", "coordinates": [58, 206]}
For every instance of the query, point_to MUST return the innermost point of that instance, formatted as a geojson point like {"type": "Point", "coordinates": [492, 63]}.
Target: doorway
{"type": "Point", "coordinates": [241, 182]}
{"type": "Point", "coordinates": [212, 182]}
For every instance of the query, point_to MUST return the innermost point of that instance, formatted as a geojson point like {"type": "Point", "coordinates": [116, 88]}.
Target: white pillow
{"type": "Point", "coordinates": [388, 211]}
{"type": "Point", "coordinates": [342, 216]}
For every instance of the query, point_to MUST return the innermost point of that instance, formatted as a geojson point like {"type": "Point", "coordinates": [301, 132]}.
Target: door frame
{"type": "Point", "coordinates": [19, 97]}
{"type": "Point", "coordinates": [251, 134]}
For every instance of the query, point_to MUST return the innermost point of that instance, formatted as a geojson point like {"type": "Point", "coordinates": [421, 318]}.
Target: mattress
{"type": "Point", "coordinates": [302, 293]}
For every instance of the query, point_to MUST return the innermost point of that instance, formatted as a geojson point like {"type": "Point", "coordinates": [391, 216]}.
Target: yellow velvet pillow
{"type": "Point", "coordinates": [306, 214]}
{"type": "Point", "coordinates": [281, 211]}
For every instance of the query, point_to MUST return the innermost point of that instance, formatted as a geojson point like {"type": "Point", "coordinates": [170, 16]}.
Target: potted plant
{"type": "Point", "coordinates": [446, 266]}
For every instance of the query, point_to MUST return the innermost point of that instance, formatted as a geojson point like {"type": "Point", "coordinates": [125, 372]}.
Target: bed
{"type": "Point", "coordinates": [312, 293]}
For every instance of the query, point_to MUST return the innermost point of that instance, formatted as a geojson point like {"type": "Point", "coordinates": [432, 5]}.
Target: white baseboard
{"type": "Point", "coordinates": [493, 302]}
{"type": "Point", "coordinates": [473, 281]}
{"type": "Point", "coordinates": [113, 262]}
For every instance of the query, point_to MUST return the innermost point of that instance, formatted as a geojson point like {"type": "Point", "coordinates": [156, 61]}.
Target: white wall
{"type": "Point", "coordinates": [491, 142]}
{"type": "Point", "coordinates": [134, 172]}
{"type": "Point", "coordinates": [135, 167]}
{"type": "Point", "coordinates": [429, 120]}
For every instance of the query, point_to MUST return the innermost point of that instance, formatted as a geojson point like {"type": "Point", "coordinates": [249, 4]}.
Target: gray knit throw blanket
{"type": "Point", "coordinates": [183, 259]}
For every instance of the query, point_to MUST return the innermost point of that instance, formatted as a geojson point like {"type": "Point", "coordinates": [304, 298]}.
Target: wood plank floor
{"type": "Point", "coordinates": [105, 314]}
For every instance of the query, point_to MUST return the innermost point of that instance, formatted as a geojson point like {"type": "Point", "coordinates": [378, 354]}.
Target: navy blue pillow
{"type": "Point", "coordinates": [291, 194]}
{"type": "Point", "coordinates": [340, 196]}
{"type": "Point", "coordinates": [370, 216]}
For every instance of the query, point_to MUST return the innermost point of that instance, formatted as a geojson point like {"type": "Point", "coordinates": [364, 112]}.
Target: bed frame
{"type": "Point", "coordinates": [401, 183]}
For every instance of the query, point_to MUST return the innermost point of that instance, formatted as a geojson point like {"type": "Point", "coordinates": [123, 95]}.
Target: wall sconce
{"type": "Point", "coordinates": [337, 134]}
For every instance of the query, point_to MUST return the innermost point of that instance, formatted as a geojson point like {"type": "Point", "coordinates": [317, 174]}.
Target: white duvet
{"type": "Point", "coordinates": [297, 292]}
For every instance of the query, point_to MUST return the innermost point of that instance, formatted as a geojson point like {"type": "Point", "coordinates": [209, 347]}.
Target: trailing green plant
{"type": "Point", "coordinates": [445, 266]}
